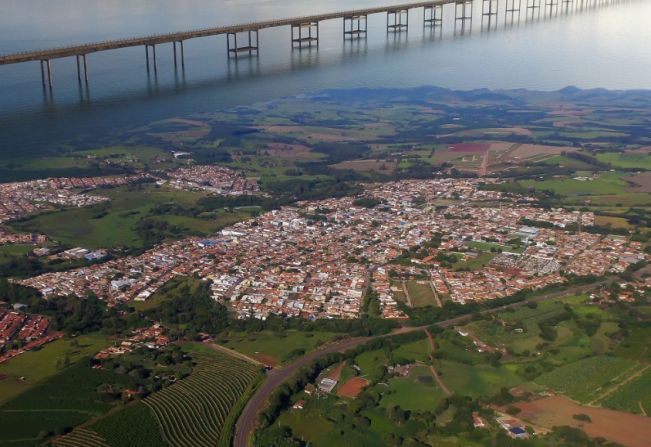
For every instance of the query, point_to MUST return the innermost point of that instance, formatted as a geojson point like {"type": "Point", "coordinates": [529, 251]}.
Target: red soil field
{"type": "Point", "coordinates": [469, 147]}
{"type": "Point", "coordinates": [266, 360]}
{"type": "Point", "coordinates": [353, 387]}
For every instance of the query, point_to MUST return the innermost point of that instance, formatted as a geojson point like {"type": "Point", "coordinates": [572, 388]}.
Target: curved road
{"type": "Point", "coordinates": [248, 418]}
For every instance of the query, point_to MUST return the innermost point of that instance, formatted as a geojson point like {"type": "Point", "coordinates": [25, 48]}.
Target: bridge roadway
{"type": "Point", "coordinates": [79, 50]}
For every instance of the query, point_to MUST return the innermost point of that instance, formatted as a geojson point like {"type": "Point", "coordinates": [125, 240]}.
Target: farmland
{"type": "Point", "coordinates": [196, 411]}
{"type": "Point", "coordinates": [66, 399]}
{"type": "Point", "coordinates": [585, 379]}
{"type": "Point", "coordinates": [29, 369]}
{"type": "Point", "coordinates": [271, 347]}
{"type": "Point", "coordinates": [115, 224]}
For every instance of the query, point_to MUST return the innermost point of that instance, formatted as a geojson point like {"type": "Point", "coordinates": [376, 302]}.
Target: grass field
{"type": "Point", "coordinates": [626, 160]}
{"type": "Point", "coordinates": [416, 392]}
{"type": "Point", "coordinates": [114, 224]}
{"type": "Point", "coordinates": [11, 251]}
{"type": "Point", "coordinates": [277, 346]}
{"type": "Point", "coordinates": [35, 366]}
{"type": "Point", "coordinates": [420, 293]}
{"type": "Point", "coordinates": [477, 380]}
{"type": "Point", "coordinates": [416, 351]}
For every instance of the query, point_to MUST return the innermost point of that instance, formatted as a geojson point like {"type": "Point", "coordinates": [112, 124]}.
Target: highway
{"type": "Point", "coordinates": [249, 417]}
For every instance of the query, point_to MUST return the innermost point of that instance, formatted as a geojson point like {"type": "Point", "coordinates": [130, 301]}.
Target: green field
{"type": "Point", "coordinates": [199, 410]}
{"type": "Point", "coordinates": [604, 183]}
{"type": "Point", "coordinates": [8, 252]}
{"type": "Point", "coordinates": [114, 224]}
{"type": "Point", "coordinates": [633, 396]}
{"type": "Point", "coordinates": [64, 400]}
{"type": "Point", "coordinates": [416, 351]}
{"type": "Point", "coordinates": [417, 392]}
{"type": "Point", "coordinates": [626, 160]}
{"type": "Point", "coordinates": [420, 293]}
{"type": "Point", "coordinates": [476, 380]}
{"type": "Point", "coordinates": [585, 379]}
{"type": "Point", "coordinates": [25, 371]}
{"type": "Point", "coordinates": [278, 346]}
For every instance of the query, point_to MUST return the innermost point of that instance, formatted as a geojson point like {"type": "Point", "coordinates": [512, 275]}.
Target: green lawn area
{"type": "Point", "coordinates": [476, 380]}
{"type": "Point", "coordinates": [416, 351]}
{"type": "Point", "coordinates": [10, 251]}
{"type": "Point", "coordinates": [372, 364]}
{"type": "Point", "coordinates": [420, 293]}
{"type": "Point", "coordinates": [605, 183]}
{"type": "Point", "coordinates": [272, 344]}
{"type": "Point", "coordinates": [114, 224]}
{"type": "Point", "coordinates": [487, 246]}
{"type": "Point", "coordinates": [476, 263]}
{"type": "Point", "coordinates": [417, 392]}
{"type": "Point", "coordinates": [625, 160]}
{"type": "Point", "coordinates": [35, 366]}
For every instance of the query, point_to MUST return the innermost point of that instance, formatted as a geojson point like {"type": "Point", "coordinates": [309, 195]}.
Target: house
{"type": "Point", "coordinates": [299, 405]}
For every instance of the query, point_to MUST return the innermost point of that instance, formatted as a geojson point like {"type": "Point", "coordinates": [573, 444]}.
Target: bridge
{"type": "Point", "coordinates": [304, 32]}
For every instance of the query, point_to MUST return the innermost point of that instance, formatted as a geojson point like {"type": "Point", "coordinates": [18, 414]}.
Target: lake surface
{"type": "Point", "coordinates": [586, 46]}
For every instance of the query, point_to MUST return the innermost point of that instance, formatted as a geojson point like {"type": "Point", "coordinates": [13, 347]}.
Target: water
{"type": "Point", "coordinates": [597, 46]}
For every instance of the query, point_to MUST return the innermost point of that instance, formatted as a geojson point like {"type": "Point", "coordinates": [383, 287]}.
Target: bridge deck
{"type": "Point", "coordinates": [75, 50]}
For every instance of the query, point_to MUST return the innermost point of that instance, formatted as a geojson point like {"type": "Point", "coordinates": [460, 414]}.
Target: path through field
{"type": "Point", "coordinates": [439, 382]}
{"type": "Point", "coordinates": [436, 295]}
{"type": "Point", "coordinates": [406, 291]}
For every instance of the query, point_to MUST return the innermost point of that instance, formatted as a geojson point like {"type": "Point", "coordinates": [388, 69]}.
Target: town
{"type": "Point", "coordinates": [319, 259]}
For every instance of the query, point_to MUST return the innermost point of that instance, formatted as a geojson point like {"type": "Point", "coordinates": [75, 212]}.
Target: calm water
{"type": "Point", "coordinates": [603, 46]}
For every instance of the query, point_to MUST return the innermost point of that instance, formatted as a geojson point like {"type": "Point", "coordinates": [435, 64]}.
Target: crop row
{"type": "Point", "coordinates": [193, 411]}
{"type": "Point", "coordinates": [81, 437]}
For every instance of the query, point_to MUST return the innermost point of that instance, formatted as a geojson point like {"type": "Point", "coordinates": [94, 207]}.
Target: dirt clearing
{"type": "Point", "coordinates": [352, 387]}
{"type": "Point", "coordinates": [628, 429]}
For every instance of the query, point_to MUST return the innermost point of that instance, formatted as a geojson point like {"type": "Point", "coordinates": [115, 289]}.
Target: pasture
{"type": "Point", "coordinates": [25, 371]}
{"type": "Point", "coordinates": [476, 380]}
{"type": "Point", "coordinates": [273, 346]}
{"type": "Point", "coordinates": [416, 392]}
{"type": "Point", "coordinates": [626, 160]}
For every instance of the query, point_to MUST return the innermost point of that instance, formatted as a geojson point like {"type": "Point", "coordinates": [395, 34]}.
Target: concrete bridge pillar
{"type": "Point", "coordinates": [180, 43]}
{"type": "Point", "coordinates": [489, 11]}
{"type": "Point", "coordinates": [250, 47]}
{"type": "Point", "coordinates": [433, 15]}
{"type": "Point", "coordinates": [153, 58]}
{"type": "Point", "coordinates": [304, 34]}
{"type": "Point", "coordinates": [463, 10]}
{"type": "Point", "coordinates": [355, 26]}
{"type": "Point", "coordinates": [46, 72]}
{"type": "Point", "coordinates": [80, 66]}
{"type": "Point", "coordinates": [515, 6]}
{"type": "Point", "coordinates": [533, 4]}
{"type": "Point", "coordinates": [397, 20]}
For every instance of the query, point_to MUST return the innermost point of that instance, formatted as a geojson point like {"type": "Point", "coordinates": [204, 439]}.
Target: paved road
{"type": "Point", "coordinates": [248, 418]}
